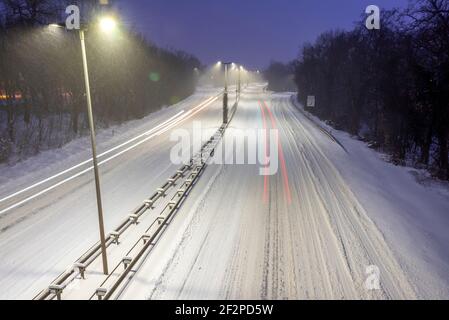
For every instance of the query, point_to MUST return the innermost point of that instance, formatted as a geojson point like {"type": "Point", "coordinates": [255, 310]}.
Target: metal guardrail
{"type": "Point", "coordinates": [194, 169]}
{"type": "Point", "coordinates": [107, 290]}
{"type": "Point", "coordinates": [81, 264]}
{"type": "Point", "coordinates": [148, 240]}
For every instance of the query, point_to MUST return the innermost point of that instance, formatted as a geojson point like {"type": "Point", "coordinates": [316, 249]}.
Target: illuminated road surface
{"type": "Point", "coordinates": [300, 234]}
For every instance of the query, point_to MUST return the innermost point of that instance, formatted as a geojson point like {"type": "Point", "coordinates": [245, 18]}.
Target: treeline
{"type": "Point", "coordinates": [280, 76]}
{"type": "Point", "coordinates": [42, 94]}
{"type": "Point", "coordinates": [389, 86]}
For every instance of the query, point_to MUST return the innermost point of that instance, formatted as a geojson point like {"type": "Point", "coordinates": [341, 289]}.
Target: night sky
{"type": "Point", "coordinates": [251, 32]}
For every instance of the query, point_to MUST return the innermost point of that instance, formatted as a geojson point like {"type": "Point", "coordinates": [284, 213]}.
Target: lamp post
{"type": "Point", "coordinates": [94, 154]}
{"type": "Point", "coordinates": [225, 94]}
{"type": "Point", "coordinates": [106, 24]}
{"type": "Point", "coordinates": [196, 73]}
{"type": "Point", "coordinates": [239, 86]}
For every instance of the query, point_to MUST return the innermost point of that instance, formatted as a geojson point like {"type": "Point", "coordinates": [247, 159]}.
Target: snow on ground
{"type": "Point", "coordinates": [41, 238]}
{"type": "Point", "coordinates": [24, 173]}
{"type": "Point", "coordinates": [326, 216]}
{"type": "Point", "coordinates": [410, 208]}
{"type": "Point", "coordinates": [348, 211]}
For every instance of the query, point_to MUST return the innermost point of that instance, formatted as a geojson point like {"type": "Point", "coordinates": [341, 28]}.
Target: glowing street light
{"type": "Point", "coordinates": [94, 154]}
{"type": "Point", "coordinates": [225, 94]}
{"type": "Point", "coordinates": [196, 72]}
{"type": "Point", "coordinates": [239, 86]}
{"type": "Point", "coordinates": [107, 24]}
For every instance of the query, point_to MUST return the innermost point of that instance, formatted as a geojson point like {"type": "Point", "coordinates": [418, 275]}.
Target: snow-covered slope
{"type": "Point", "coordinates": [410, 208]}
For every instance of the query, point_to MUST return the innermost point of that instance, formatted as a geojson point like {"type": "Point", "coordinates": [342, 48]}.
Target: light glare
{"type": "Point", "coordinates": [107, 24]}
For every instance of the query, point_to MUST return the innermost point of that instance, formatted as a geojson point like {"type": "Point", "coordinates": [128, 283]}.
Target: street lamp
{"type": "Point", "coordinates": [107, 24]}
{"type": "Point", "coordinates": [94, 154]}
{"type": "Point", "coordinates": [225, 94]}
{"type": "Point", "coordinates": [239, 86]}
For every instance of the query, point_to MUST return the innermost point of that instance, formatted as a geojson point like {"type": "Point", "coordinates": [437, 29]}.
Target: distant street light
{"type": "Point", "coordinates": [239, 86]}
{"type": "Point", "coordinates": [225, 94]}
{"type": "Point", "coordinates": [107, 24]}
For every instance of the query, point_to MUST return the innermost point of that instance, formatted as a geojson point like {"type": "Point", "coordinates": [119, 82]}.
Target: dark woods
{"type": "Point", "coordinates": [42, 101]}
{"type": "Point", "coordinates": [280, 76]}
{"type": "Point", "coordinates": [389, 86]}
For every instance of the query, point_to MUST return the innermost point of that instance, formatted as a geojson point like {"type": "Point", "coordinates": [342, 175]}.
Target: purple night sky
{"type": "Point", "coordinates": [246, 31]}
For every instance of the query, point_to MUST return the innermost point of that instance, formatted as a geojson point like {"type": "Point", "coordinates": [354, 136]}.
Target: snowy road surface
{"type": "Point", "coordinates": [302, 233]}
{"type": "Point", "coordinates": [44, 236]}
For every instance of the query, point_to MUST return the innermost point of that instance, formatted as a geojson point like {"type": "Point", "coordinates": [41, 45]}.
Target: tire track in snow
{"type": "Point", "coordinates": [351, 226]}
{"type": "Point", "coordinates": [315, 248]}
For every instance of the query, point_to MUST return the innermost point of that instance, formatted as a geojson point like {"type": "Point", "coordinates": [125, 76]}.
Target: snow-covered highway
{"type": "Point", "coordinates": [45, 228]}
{"type": "Point", "coordinates": [309, 239]}
{"type": "Point", "coordinates": [310, 231]}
